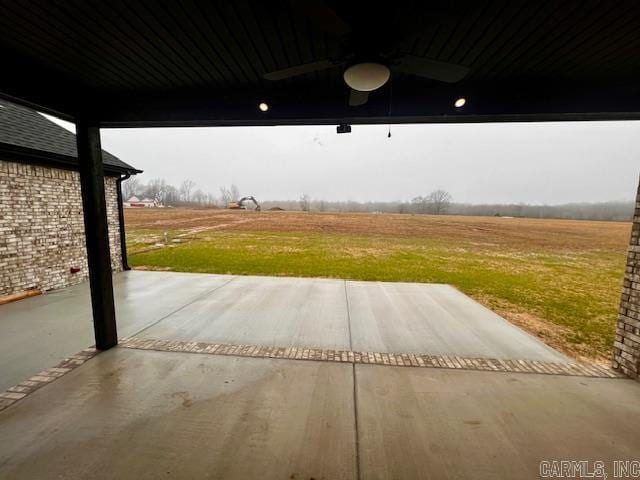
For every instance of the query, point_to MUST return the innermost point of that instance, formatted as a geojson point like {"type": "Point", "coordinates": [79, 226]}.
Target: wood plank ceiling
{"type": "Point", "coordinates": [202, 62]}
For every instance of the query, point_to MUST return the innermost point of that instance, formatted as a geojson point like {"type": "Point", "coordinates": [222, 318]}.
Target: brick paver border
{"type": "Point", "coordinates": [374, 358]}
{"type": "Point", "coordinates": [20, 391]}
{"type": "Point", "coordinates": [23, 389]}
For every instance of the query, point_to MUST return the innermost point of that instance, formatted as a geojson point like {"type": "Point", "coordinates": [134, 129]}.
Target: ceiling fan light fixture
{"type": "Point", "coordinates": [366, 77]}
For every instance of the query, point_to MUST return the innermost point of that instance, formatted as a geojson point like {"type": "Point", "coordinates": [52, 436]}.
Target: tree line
{"type": "Point", "coordinates": [185, 195]}
{"type": "Point", "coordinates": [440, 202]}
{"type": "Point", "coordinates": [610, 211]}
{"type": "Point", "coordinates": [437, 202]}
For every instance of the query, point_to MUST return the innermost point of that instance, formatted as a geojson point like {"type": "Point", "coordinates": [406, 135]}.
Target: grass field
{"type": "Point", "coordinates": [559, 279]}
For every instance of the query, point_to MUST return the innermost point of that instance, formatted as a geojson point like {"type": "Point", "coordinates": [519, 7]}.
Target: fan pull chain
{"type": "Point", "coordinates": [390, 105]}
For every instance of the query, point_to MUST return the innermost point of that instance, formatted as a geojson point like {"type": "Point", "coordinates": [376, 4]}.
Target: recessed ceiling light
{"type": "Point", "coordinates": [459, 103]}
{"type": "Point", "coordinates": [263, 107]}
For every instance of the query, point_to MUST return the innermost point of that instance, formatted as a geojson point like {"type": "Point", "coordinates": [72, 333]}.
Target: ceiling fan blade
{"type": "Point", "coordinates": [322, 15]}
{"type": "Point", "coordinates": [357, 98]}
{"type": "Point", "coordinates": [299, 70]}
{"type": "Point", "coordinates": [432, 69]}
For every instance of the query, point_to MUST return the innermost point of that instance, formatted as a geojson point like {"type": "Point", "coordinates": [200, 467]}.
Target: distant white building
{"type": "Point", "coordinates": [135, 202]}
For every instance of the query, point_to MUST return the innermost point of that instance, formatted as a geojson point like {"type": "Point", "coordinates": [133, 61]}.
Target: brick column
{"type": "Point", "coordinates": [626, 348]}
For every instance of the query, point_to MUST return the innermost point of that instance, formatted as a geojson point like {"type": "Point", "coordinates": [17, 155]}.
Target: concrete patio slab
{"type": "Point", "coordinates": [143, 414]}
{"type": "Point", "coordinates": [272, 311]}
{"type": "Point", "coordinates": [433, 423]}
{"type": "Point", "coordinates": [435, 319]}
{"type": "Point", "coordinates": [130, 414]}
{"type": "Point", "coordinates": [38, 332]}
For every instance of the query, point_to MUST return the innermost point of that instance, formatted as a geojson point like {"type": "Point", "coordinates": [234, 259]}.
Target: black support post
{"type": "Point", "coordinates": [123, 238]}
{"type": "Point", "coordinates": [96, 233]}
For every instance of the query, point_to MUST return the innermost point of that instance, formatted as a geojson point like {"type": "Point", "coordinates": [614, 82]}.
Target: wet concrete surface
{"type": "Point", "coordinates": [38, 332]}
{"type": "Point", "coordinates": [270, 311]}
{"type": "Point", "coordinates": [438, 319]}
{"type": "Point", "coordinates": [430, 423]}
{"type": "Point", "coordinates": [134, 414]}
{"type": "Point", "coordinates": [130, 414]}
{"type": "Point", "coordinates": [361, 316]}
{"type": "Point", "coordinates": [141, 414]}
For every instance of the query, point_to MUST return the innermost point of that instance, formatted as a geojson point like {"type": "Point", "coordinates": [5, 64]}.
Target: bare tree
{"type": "Point", "coordinates": [211, 200]}
{"type": "Point", "coordinates": [305, 203]}
{"type": "Point", "coordinates": [420, 204]}
{"type": "Point", "coordinates": [171, 195]}
{"type": "Point", "coordinates": [234, 192]}
{"type": "Point", "coordinates": [228, 195]}
{"type": "Point", "coordinates": [130, 187]}
{"type": "Point", "coordinates": [185, 189]}
{"type": "Point", "coordinates": [225, 196]}
{"type": "Point", "coordinates": [155, 188]}
{"type": "Point", "coordinates": [439, 201]}
{"type": "Point", "coordinates": [199, 197]}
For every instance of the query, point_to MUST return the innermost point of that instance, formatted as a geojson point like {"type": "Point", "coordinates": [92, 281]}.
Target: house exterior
{"type": "Point", "coordinates": [42, 243]}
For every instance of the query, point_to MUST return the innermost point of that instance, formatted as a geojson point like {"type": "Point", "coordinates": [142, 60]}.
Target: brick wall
{"type": "Point", "coordinates": [626, 351]}
{"type": "Point", "coordinates": [42, 227]}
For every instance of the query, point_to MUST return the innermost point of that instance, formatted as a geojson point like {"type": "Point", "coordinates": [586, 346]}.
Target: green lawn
{"type": "Point", "coordinates": [574, 293]}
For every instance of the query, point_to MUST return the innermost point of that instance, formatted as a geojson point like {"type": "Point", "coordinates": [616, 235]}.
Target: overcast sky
{"type": "Point", "coordinates": [503, 163]}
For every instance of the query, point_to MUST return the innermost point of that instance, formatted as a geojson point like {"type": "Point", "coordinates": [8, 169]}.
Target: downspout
{"type": "Point", "coordinates": [123, 241]}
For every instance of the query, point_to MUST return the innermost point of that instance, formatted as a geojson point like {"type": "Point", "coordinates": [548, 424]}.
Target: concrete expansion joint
{"type": "Point", "coordinates": [374, 358]}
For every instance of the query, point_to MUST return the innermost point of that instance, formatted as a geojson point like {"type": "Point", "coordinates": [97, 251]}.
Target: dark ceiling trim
{"type": "Point", "coordinates": [491, 103]}
{"type": "Point", "coordinates": [14, 153]}
{"type": "Point", "coordinates": [497, 118]}
{"type": "Point", "coordinates": [242, 112]}
{"type": "Point", "coordinates": [32, 91]}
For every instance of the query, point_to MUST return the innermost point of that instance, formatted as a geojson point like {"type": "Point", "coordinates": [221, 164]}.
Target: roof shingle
{"type": "Point", "coordinates": [24, 127]}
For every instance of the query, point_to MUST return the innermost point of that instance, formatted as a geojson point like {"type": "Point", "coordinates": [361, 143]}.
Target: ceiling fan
{"type": "Point", "coordinates": [371, 51]}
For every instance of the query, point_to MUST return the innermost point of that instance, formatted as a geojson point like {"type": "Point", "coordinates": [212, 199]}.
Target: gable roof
{"type": "Point", "coordinates": [26, 133]}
